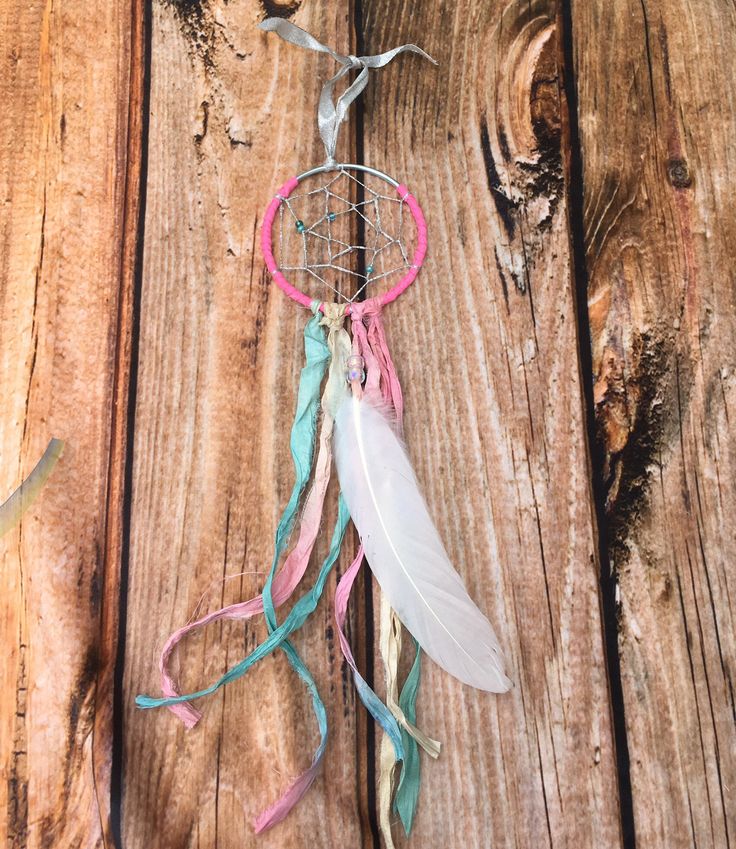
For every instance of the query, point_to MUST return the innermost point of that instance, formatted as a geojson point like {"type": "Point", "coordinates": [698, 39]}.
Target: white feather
{"type": "Point", "coordinates": [405, 551]}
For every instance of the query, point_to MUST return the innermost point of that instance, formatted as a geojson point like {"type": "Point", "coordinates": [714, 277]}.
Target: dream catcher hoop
{"type": "Point", "coordinates": [336, 251]}
{"type": "Point", "coordinates": [344, 241]}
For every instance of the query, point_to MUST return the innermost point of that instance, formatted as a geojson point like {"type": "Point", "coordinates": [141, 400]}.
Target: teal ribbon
{"type": "Point", "coordinates": [302, 450]}
{"type": "Point", "coordinates": [407, 791]}
{"type": "Point", "coordinates": [303, 434]}
{"type": "Point", "coordinates": [383, 716]}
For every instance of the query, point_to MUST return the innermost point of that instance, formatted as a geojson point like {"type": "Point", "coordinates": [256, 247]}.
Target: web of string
{"type": "Point", "coordinates": [378, 242]}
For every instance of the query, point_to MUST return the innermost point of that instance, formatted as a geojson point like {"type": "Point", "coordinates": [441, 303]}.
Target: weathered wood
{"type": "Point", "coordinates": [71, 93]}
{"type": "Point", "coordinates": [232, 116]}
{"type": "Point", "coordinates": [487, 347]}
{"type": "Point", "coordinates": [657, 119]}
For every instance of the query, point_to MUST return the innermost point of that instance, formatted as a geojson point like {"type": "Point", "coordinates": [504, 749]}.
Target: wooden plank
{"type": "Point", "coordinates": [233, 114]}
{"type": "Point", "coordinates": [488, 354]}
{"type": "Point", "coordinates": [660, 245]}
{"type": "Point", "coordinates": [69, 175]}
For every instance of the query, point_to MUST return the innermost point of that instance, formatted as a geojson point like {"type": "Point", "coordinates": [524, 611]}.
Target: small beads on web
{"type": "Point", "coordinates": [313, 230]}
{"type": "Point", "coordinates": [356, 368]}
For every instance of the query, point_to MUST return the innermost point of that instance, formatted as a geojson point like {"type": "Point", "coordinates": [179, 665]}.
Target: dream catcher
{"type": "Point", "coordinates": [344, 241]}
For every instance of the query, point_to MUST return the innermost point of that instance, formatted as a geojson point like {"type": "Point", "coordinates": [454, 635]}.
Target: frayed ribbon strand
{"type": "Point", "coordinates": [338, 343]}
{"type": "Point", "coordinates": [396, 718]}
{"type": "Point", "coordinates": [280, 585]}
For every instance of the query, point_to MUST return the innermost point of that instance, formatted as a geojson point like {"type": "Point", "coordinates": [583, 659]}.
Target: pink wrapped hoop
{"type": "Point", "coordinates": [302, 298]}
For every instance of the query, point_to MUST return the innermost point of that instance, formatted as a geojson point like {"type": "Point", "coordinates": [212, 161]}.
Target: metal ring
{"type": "Point", "coordinates": [322, 169]}
{"type": "Point", "coordinates": [283, 194]}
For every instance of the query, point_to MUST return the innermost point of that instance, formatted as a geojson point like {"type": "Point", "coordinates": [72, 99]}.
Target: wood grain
{"type": "Point", "coordinates": [71, 92]}
{"type": "Point", "coordinates": [487, 345]}
{"type": "Point", "coordinates": [660, 241]}
{"type": "Point", "coordinates": [220, 353]}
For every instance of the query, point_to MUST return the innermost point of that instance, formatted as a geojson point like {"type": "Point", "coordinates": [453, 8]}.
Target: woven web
{"type": "Point", "coordinates": [344, 236]}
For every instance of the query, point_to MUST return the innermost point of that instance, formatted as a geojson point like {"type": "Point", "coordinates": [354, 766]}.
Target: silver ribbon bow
{"type": "Point", "coordinates": [332, 113]}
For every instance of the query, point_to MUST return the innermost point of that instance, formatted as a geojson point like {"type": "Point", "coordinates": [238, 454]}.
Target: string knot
{"type": "Point", "coordinates": [333, 316]}
{"type": "Point", "coordinates": [370, 308]}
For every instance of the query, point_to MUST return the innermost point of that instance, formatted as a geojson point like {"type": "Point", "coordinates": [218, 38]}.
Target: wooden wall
{"type": "Point", "coordinates": [574, 327]}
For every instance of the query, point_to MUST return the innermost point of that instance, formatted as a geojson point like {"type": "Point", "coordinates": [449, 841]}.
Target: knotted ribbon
{"type": "Point", "coordinates": [332, 113]}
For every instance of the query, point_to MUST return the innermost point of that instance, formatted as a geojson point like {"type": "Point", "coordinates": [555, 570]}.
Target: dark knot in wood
{"type": "Point", "coordinates": [678, 173]}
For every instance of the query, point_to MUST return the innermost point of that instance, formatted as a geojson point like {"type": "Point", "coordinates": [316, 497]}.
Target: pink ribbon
{"type": "Point", "coordinates": [284, 584]}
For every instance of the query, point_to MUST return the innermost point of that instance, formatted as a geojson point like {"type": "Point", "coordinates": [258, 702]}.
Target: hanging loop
{"type": "Point", "coordinates": [331, 113]}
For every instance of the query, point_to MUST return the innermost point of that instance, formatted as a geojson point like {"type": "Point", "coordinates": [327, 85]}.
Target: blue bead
{"type": "Point", "coordinates": [369, 269]}
{"type": "Point", "coordinates": [300, 228]}
{"type": "Point", "coordinates": [331, 216]}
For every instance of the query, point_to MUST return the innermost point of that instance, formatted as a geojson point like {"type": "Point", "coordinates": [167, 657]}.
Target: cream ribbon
{"type": "Point", "coordinates": [338, 341]}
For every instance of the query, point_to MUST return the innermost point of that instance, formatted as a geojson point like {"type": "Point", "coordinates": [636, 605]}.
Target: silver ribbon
{"type": "Point", "coordinates": [332, 113]}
